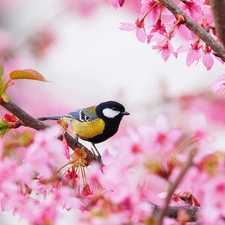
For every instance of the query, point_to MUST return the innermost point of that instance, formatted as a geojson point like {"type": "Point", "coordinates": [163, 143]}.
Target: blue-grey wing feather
{"type": "Point", "coordinates": [75, 114]}
{"type": "Point", "coordinates": [82, 115]}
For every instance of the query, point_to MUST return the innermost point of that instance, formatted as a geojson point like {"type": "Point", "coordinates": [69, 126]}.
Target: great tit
{"type": "Point", "coordinates": [96, 123]}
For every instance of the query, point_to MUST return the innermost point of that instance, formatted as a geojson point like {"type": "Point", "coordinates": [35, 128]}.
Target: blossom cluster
{"type": "Point", "coordinates": [39, 172]}
{"type": "Point", "coordinates": [157, 25]}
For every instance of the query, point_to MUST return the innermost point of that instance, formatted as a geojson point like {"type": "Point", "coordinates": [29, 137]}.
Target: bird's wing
{"type": "Point", "coordinates": [84, 115]}
{"type": "Point", "coordinates": [75, 114]}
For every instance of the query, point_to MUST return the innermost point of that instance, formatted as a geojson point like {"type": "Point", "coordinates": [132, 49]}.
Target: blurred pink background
{"type": "Point", "coordinates": [78, 47]}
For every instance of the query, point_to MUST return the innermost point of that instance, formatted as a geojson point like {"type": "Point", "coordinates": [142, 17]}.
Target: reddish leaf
{"type": "Point", "coordinates": [26, 74]}
{"type": "Point", "coordinates": [9, 84]}
{"type": "Point", "coordinates": [10, 118]}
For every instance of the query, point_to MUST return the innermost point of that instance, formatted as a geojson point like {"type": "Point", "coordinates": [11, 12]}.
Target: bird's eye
{"type": "Point", "coordinates": [113, 108]}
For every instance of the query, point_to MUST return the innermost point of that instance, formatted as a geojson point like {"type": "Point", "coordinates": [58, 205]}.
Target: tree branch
{"type": "Point", "coordinates": [172, 211]}
{"type": "Point", "coordinates": [218, 10]}
{"type": "Point", "coordinates": [198, 30]}
{"type": "Point", "coordinates": [29, 121]}
{"type": "Point", "coordinates": [174, 185]}
{"type": "Point", "coordinates": [26, 119]}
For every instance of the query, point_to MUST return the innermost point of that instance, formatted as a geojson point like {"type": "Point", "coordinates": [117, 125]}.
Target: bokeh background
{"type": "Point", "coordinates": [76, 44]}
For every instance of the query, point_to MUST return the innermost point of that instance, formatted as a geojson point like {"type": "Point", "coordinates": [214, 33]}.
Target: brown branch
{"type": "Point", "coordinates": [195, 28]}
{"type": "Point", "coordinates": [26, 119]}
{"type": "Point", "coordinates": [174, 185]}
{"type": "Point", "coordinates": [172, 211]}
{"type": "Point", "coordinates": [218, 10]}
{"type": "Point", "coordinates": [29, 121]}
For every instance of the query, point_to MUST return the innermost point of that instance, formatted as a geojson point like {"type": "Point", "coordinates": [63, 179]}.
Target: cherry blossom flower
{"type": "Point", "coordinates": [138, 27]}
{"type": "Point", "coordinates": [44, 151]}
{"type": "Point", "coordinates": [208, 60]}
{"type": "Point", "coordinates": [193, 52]}
{"type": "Point", "coordinates": [159, 27]}
{"type": "Point", "coordinates": [185, 32]}
{"type": "Point", "coordinates": [151, 5]}
{"type": "Point", "coordinates": [166, 48]}
{"type": "Point", "coordinates": [213, 206]}
{"type": "Point", "coordinates": [192, 8]}
{"type": "Point", "coordinates": [160, 138]}
{"type": "Point", "coordinates": [219, 85]}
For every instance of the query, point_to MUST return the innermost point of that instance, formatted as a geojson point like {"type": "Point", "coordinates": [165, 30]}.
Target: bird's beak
{"type": "Point", "coordinates": [125, 113]}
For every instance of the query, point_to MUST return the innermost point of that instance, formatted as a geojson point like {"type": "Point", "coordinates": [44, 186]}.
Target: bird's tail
{"type": "Point", "coordinates": [49, 118]}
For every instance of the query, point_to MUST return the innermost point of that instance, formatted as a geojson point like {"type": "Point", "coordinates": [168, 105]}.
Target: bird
{"type": "Point", "coordinates": [94, 124]}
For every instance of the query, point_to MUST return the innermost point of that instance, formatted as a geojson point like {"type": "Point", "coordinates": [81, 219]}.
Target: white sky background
{"type": "Point", "coordinates": [94, 61]}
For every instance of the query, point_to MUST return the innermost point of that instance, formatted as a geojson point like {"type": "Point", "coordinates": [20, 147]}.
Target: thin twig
{"type": "Point", "coordinates": [25, 118]}
{"type": "Point", "coordinates": [174, 185]}
{"type": "Point", "coordinates": [195, 28]}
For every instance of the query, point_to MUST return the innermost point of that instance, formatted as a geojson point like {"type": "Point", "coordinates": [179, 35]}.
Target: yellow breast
{"type": "Point", "coordinates": [87, 130]}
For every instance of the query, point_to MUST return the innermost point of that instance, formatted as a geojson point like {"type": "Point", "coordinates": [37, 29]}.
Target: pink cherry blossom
{"type": "Point", "coordinates": [166, 48]}
{"type": "Point", "coordinates": [131, 198]}
{"type": "Point", "coordinates": [158, 27]}
{"type": "Point", "coordinates": [213, 206]}
{"type": "Point", "coordinates": [219, 85]}
{"type": "Point", "coordinates": [200, 133]}
{"type": "Point", "coordinates": [165, 137]}
{"type": "Point", "coordinates": [194, 53]}
{"type": "Point", "coordinates": [185, 32]}
{"type": "Point", "coordinates": [208, 60]}
{"type": "Point", "coordinates": [192, 8]}
{"type": "Point", "coordinates": [45, 152]}
{"type": "Point", "coordinates": [192, 56]}
{"type": "Point", "coordinates": [138, 27]}
{"type": "Point", "coordinates": [153, 6]}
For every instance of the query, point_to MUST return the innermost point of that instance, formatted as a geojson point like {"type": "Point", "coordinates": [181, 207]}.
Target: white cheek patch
{"type": "Point", "coordinates": [109, 113]}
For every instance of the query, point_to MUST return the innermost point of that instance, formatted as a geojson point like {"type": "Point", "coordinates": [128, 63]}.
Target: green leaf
{"type": "Point", "coordinates": [5, 97]}
{"type": "Point", "coordinates": [25, 138]}
{"type": "Point", "coordinates": [4, 127]}
{"type": "Point", "coordinates": [1, 83]}
{"type": "Point", "coordinates": [26, 74]}
{"type": "Point", "coordinates": [3, 132]}
{"type": "Point", "coordinates": [1, 70]}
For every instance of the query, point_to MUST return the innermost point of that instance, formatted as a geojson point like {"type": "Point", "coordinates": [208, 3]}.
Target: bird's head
{"type": "Point", "coordinates": [111, 110]}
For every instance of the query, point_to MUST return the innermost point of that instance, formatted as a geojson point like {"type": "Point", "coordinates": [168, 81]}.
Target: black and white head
{"type": "Point", "coordinates": [111, 110]}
